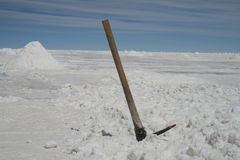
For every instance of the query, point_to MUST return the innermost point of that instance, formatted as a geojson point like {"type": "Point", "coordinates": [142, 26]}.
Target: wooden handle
{"type": "Point", "coordinates": [131, 105]}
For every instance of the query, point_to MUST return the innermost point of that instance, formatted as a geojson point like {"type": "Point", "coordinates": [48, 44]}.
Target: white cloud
{"type": "Point", "coordinates": [195, 16]}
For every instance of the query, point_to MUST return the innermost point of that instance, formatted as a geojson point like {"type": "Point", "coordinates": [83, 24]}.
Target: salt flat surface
{"type": "Point", "coordinates": [70, 113]}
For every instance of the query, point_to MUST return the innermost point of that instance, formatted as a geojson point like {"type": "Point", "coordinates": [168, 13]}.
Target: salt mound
{"type": "Point", "coordinates": [35, 56]}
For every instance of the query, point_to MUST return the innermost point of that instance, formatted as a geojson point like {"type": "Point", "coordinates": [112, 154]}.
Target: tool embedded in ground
{"type": "Point", "coordinates": [138, 127]}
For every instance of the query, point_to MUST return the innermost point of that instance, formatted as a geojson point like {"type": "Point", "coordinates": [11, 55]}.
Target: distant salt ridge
{"type": "Point", "coordinates": [8, 51]}
{"type": "Point", "coordinates": [35, 56]}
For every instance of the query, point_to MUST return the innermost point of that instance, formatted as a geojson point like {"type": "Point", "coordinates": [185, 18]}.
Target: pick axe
{"type": "Point", "coordinates": [140, 132]}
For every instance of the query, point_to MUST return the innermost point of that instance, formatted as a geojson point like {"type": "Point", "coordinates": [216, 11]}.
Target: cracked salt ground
{"type": "Point", "coordinates": [74, 111]}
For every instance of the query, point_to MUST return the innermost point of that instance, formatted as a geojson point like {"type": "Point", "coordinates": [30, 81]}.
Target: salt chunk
{"type": "Point", "coordinates": [50, 144]}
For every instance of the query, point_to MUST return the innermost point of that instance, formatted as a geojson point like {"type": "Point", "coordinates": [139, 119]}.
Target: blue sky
{"type": "Point", "coordinates": [150, 25]}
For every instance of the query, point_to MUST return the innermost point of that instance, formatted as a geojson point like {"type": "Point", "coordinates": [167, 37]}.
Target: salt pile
{"type": "Point", "coordinates": [35, 56]}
